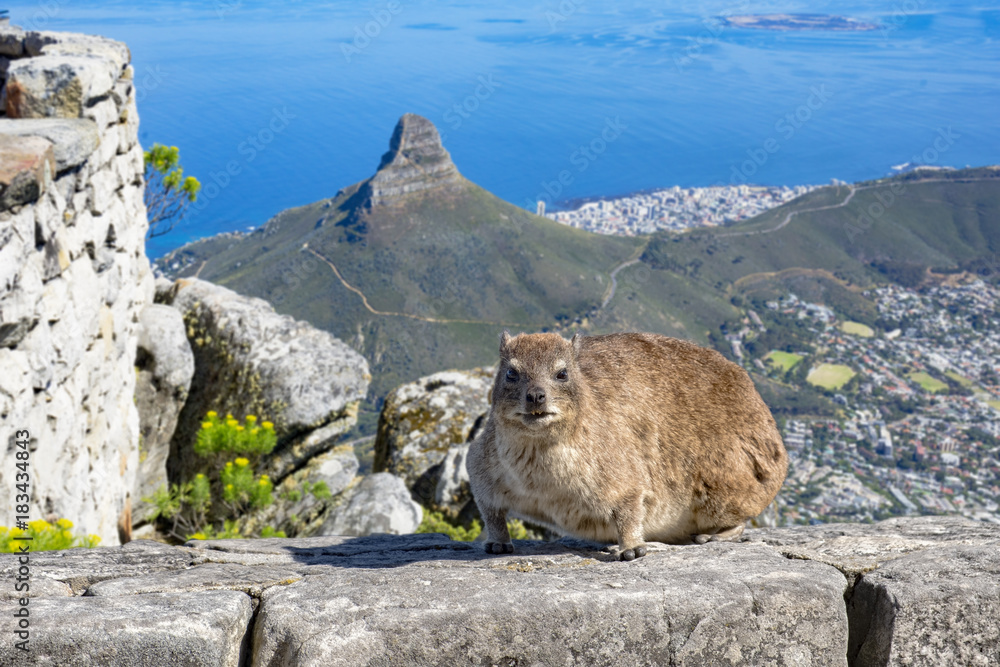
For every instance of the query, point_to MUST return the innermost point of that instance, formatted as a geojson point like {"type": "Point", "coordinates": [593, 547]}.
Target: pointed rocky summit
{"type": "Point", "coordinates": [415, 163]}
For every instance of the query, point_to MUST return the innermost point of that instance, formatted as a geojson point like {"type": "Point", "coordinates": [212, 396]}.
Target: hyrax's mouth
{"type": "Point", "coordinates": [535, 416]}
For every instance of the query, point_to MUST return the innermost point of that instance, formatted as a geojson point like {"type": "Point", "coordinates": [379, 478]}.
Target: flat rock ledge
{"type": "Point", "coordinates": [920, 591]}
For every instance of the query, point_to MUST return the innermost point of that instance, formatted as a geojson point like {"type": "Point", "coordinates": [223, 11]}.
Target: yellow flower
{"type": "Point", "coordinates": [229, 464]}
{"type": "Point", "coordinates": [206, 424]}
{"type": "Point", "coordinates": [231, 423]}
{"type": "Point", "coordinates": [64, 523]}
{"type": "Point", "coordinates": [242, 462]}
{"type": "Point", "coordinates": [239, 428]}
{"type": "Point", "coordinates": [39, 525]}
{"type": "Point", "coordinates": [67, 535]}
{"type": "Point", "coordinates": [200, 476]}
{"type": "Point", "coordinates": [212, 414]}
{"type": "Point", "coordinates": [268, 426]}
{"type": "Point", "coordinates": [251, 419]}
{"type": "Point", "coordinates": [198, 536]}
{"type": "Point", "coordinates": [229, 486]}
{"type": "Point", "coordinates": [263, 481]}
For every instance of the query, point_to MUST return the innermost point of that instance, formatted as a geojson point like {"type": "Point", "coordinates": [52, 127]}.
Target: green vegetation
{"type": "Point", "coordinates": [44, 537]}
{"type": "Point", "coordinates": [963, 381]}
{"type": "Point", "coordinates": [857, 329]}
{"type": "Point", "coordinates": [927, 382]}
{"type": "Point", "coordinates": [434, 522]}
{"type": "Point", "coordinates": [203, 509]}
{"type": "Point", "coordinates": [784, 360]}
{"type": "Point", "coordinates": [830, 376]}
{"type": "Point", "coordinates": [994, 404]}
{"type": "Point", "coordinates": [168, 192]}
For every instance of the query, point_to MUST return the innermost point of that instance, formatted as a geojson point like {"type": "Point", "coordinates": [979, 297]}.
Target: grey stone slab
{"type": "Point", "coordinates": [191, 629]}
{"type": "Point", "coordinates": [855, 548]}
{"type": "Point", "coordinates": [73, 139]}
{"type": "Point", "coordinates": [940, 606]}
{"type": "Point", "coordinates": [718, 604]}
{"type": "Point", "coordinates": [208, 577]}
{"type": "Point", "coordinates": [81, 568]}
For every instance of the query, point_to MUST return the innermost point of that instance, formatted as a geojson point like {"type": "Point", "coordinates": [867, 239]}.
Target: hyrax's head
{"type": "Point", "coordinates": [538, 385]}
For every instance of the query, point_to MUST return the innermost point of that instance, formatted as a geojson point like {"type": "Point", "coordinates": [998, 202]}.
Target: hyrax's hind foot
{"type": "Point", "coordinates": [499, 548]}
{"type": "Point", "coordinates": [633, 553]}
{"type": "Point", "coordinates": [725, 535]}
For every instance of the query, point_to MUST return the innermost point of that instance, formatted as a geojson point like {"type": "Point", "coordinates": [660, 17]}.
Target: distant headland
{"type": "Point", "coordinates": [798, 22]}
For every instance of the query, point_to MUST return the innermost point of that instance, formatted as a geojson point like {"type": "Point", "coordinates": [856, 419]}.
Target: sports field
{"type": "Point", "coordinates": [965, 382]}
{"type": "Point", "coordinates": [857, 329]}
{"type": "Point", "coordinates": [929, 383]}
{"type": "Point", "coordinates": [784, 360]}
{"type": "Point", "coordinates": [830, 376]}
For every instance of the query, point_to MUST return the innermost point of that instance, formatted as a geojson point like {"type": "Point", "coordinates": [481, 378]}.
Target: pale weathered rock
{"type": "Point", "coordinates": [27, 164]}
{"type": "Point", "coordinates": [424, 599]}
{"type": "Point", "coordinates": [856, 548]}
{"type": "Point", "coordinates": [939, 606]}
{"type": "Point", "coordinates": [55, 86]}
{"type": "Point", "coordinates": [725, 604]}
{"type": "Point", "coordinates": [205, 628]}
{"type": "Point", "coordinates": [250, 360]}
{"type": "Point", "coordinates": [299, 513]}
{"type": "Point", "coordinates": [381, 503]}
{"type": "Point", "coordinates": [165, 366]}
{"type": "Point", "coordinates": [73, 139]}
{"type": "Point", "coordinates": [208, 577]}
{"type": "Point", "coordinates": [38, 43]}
{"type": "Point", "coordinates": [72, 284]}
{"type": "Point", "coordinates": [424, 431]}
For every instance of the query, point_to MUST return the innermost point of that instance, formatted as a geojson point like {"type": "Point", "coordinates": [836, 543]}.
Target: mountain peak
{"type": "Point", "coordinates": [416, 162]}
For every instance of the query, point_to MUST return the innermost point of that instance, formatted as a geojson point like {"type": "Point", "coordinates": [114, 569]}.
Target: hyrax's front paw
{"type": "Point", "coordinates": [633, 553]}
{"type": "Point", "coordinates": [499, 547]}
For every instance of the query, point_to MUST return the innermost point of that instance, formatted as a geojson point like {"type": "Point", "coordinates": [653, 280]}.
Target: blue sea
{"type": "Point", "coordinates": [278, 104]}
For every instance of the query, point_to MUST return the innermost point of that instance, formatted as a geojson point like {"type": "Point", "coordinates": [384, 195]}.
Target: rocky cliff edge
{"type": "Point", "coordinates": [917, 591]}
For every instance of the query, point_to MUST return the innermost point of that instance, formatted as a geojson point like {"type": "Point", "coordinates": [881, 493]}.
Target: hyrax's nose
{"type": "Point", "coordinates": [536, 396]}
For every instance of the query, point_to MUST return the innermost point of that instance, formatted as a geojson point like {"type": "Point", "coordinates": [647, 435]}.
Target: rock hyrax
{"type": "Point", "coordinates": [627, 437]}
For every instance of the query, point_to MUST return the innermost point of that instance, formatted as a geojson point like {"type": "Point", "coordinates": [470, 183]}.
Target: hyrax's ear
{"type": "Point", "coordinates": [577, 343]}
{"type": "Point", "coordinates": [505, 339]}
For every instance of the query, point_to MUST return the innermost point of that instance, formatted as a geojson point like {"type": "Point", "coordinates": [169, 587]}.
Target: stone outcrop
{"type": "Point", "coordinates": [424, 433]}
{"type": "Point", "coordinates": [73, 274]}
{"type": "Point", "coordinates": [380, 503]}
{"type": "Point", "coordinates": [921, 591]}
{"type": "Point", "coordinates": [165, 365]}
{"type": "Point", "coordinates": [251, 360]}
{"type": "Point", "coordinates": [416, 163]}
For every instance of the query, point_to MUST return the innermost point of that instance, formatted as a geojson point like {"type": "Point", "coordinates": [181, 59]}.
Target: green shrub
{"type": "Point", "coordinates": [434, 522]}
{"type": "Point", "coordinates": [44, 537]}
{"type": "Point", "coordinates": [206, 509]}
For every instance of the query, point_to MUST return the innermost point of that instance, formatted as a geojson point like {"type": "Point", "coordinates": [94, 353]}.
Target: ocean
{"type": "Point", "coordinates": [279, 104]}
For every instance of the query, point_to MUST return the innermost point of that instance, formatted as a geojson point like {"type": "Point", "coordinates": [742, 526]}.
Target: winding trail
{"type": "Point", "coordinates": [388, 313]}
{"type": "Point", "coordinates": [791, 214]}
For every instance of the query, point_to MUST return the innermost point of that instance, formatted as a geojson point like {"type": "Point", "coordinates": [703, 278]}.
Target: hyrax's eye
{"type": "Point", "coordinates": [511, 375]}
{"type": "Point", "coordinates": [562, 375]}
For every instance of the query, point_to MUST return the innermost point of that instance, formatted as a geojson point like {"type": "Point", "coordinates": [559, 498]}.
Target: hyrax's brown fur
{"type": "Point", "coordinates": [627, 437]}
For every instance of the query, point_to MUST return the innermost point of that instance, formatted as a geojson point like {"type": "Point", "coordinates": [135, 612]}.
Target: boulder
{"type": "Point", "coordinates": [424, 433]}
{"type": "Point", "coordinates": [251, 360]}
{"type": "Point", "coordinates": [73, 139]}
{"type": "Point", "coordinates": [380, 503]}
{"type": "Point", "coordinates": [165, 366]}
{"type": "Point", "coordinates": [299, 513]}
{"type": "Point", "coordinates": [55, 86]}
